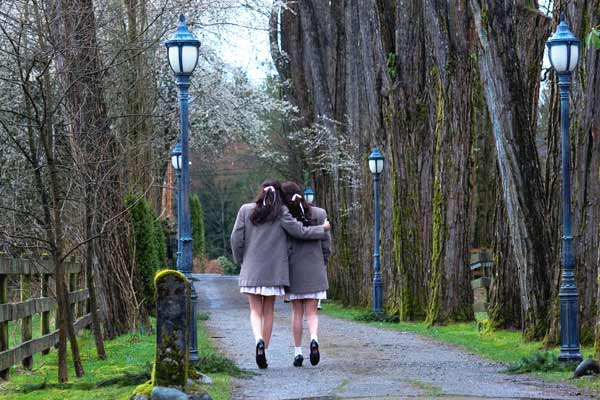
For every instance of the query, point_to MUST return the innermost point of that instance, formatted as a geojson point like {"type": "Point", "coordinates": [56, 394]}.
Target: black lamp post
{"type": "Point", "coordinates": [563, 52]}
{"type": "Point", "coordinates": [183, 50]}
{"type": "Point", "coordinates": [376, 160]}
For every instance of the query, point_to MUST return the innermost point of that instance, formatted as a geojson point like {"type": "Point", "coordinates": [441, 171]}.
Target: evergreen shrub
{"type": "Point", "coordinates": [229, 267]}
{"type": "Point", "coordinates": [148, 242]}
{"type": "Point", "coordinates": [197, 216]}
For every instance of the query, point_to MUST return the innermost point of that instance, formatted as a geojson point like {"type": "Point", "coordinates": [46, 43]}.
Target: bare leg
{"type": "Point", "coordinates": [297, 315]}
{"type": "Point", "coordinates": [256, 314]}
{"type": "Point", "coordinates": [267, 318]}
{"type": "Point", "coordinates": [312, 317]}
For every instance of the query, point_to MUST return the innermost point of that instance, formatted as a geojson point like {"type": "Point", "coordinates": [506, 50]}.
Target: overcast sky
{"type": "Point", "coordinates": [243, 43]}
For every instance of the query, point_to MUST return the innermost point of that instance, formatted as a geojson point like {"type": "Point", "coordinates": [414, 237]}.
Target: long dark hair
{"type": "Point", "coordinates": [294, 200]}
{"type": "Point", "coordinates": [268, 203]}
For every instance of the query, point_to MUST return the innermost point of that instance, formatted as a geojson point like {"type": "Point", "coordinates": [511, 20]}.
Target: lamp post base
{"type": "Point", "coordinates": [570, 355]}
{"type": "Point", "coordinates": [377, 295]}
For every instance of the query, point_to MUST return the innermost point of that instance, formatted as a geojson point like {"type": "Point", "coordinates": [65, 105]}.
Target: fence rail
{"type": "Point", "coordinates": [25, 272]}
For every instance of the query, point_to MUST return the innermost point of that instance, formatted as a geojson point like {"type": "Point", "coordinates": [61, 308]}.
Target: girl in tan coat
{"type": "Point", "coordinates": [308, 272]}
{"type": "Point", "coordinates": [259, 243]}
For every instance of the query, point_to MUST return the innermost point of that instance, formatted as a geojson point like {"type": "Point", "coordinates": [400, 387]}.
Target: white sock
{"type": "Point", "coordinates": [297, 351]}
{"type": "Point", "coordinates": [314, 337]}
{"type": "Point", "coordinates": [257, 338]}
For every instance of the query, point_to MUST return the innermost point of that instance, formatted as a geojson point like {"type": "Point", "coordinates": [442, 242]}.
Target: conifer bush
{"type": "Point", "coordinates": [149, 243]}
{"type": "Point", "coordinates": [197, 216]}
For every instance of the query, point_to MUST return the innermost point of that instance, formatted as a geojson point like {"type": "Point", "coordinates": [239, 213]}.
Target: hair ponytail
{"type": "Point", "coordinates": [268, 203]}
{"type": "Point", "coordinates": [298, 207]}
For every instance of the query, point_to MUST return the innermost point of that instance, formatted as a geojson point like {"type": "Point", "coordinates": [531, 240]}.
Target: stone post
{"type": "Point", "coordinates": [173, 315]}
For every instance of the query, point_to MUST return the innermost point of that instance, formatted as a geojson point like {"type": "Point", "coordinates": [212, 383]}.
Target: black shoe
{"type": "Point", "coordinates": [298, 360]}
{"type": "Point", "coordinates": [314, 352]}
{"type": "Point", "coordinates": [261, 356]}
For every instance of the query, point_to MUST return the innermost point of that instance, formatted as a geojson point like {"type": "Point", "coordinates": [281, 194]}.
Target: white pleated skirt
{"type": "Point", "coordinates": [263, 290]}
{"type": "Point", "coordinates": [322, 295]}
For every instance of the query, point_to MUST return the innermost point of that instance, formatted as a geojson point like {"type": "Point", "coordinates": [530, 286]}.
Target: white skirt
{"type": "Point", "coordinates": [322, 295]}
{"type": "Point", "coordinates": [263, 290]}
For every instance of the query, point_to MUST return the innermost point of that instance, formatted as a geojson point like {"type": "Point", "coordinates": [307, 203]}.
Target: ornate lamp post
{"type": "Point", "coordinates": [176, 163]}
{"type": "Point", "coordinates": [183, 50]}
{"type": "Point", "coordinates": [309, 195]}
{"type": "Point", "coordinates": [376, 161]}
{"type": "Point", "coordinates": [563, 51]}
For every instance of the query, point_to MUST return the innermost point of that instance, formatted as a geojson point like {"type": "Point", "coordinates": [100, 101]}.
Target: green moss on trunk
{"type": "Point", "coordinates": [439, 228]}
{"type": "Point", "coordinates": [405, 301]}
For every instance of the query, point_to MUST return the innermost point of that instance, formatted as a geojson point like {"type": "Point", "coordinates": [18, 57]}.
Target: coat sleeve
{"type": "Point", "coordinates": [238, 237]}
{"type": "Point", "coordinates": [326, 243]}
{"type": "Point", "coordinates": [294, 228]}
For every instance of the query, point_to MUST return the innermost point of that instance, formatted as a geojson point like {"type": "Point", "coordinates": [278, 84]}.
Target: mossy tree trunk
{"type": "Point", "coordinates": [512, 36]}
{"type": "Point", "coordinates": [585, 167]}
{"type": "Point", "coordinates": [505, 302]}
{"type": "Point", "coordinates": [453, 80]}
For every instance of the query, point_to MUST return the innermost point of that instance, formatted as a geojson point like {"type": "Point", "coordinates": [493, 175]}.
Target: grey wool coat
{"type": "Point", "coordinates": [308, 260]}
{"type": "Point", "coordinates": [262, 250]}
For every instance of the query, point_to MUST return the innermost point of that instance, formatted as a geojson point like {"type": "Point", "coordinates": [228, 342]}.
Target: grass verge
{"type": "Point", "coordinates": [128, 365]}
{"type": "Point", "coordinates": [500, 345]}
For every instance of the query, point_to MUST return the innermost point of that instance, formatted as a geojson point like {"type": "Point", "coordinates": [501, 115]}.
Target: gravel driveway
{"type": "Point", "coordinates": [358, 361]}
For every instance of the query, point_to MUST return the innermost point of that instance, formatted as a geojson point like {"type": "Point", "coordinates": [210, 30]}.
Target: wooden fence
{"type": "Point", "coordinates": [26, 277]}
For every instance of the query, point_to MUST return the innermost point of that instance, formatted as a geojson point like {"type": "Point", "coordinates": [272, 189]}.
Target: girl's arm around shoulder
{"type": "Point", "coordinates": [294, 228]}
{"type": "Point", "coordinates": [326, 241]}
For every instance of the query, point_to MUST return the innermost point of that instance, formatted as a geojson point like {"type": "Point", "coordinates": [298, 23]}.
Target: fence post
{"type": "Point", "coordinates": [81, 284]}
{"type": "Point", "coordinates": [26, 331]}
{"type": "Point", "coordinates": [73, 277]}
{"type": "Point", "coordinates": [46, 314]}
{"type": "Point", "coordinates": [4, 324]}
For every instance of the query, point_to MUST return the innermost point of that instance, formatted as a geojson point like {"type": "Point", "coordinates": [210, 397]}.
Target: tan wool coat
{"type": "Point", "coordinates": [262, 250]}
{"type": "Point", "coordinates": [308, 260]}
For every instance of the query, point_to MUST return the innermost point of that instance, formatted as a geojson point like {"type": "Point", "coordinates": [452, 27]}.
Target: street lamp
{"type": "Point", "coordinates": [176, 163]}
{"type": "Point", "coordinates": [309, 194]}
{"type": "Point", "coordinates": [563, 52]}
{"type": "Point", "coordinates": [183, 50]}
{"type": "Point", "coordinates": [376, 161]}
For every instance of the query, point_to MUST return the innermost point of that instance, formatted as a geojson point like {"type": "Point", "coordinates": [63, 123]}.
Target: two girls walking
{"type": "Point", "coordinates": [282, 244]}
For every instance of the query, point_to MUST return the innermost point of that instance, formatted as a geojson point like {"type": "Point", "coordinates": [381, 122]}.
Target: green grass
{"type": "Point", "coordinates": [500, 345]}
{"type": "Point", "coordinates": [128, 354]}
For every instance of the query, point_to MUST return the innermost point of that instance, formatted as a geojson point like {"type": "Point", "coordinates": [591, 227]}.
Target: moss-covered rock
{"type": "Point", "coordinates": [174, 312]}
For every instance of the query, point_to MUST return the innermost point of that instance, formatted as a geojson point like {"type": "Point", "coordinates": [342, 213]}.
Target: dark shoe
{"type": "Point", "coordinates": [261, 357]}
{"type": "Point", "coordinates": [314, 352]}
{"type": "Point", "coordinates": [298, 360]}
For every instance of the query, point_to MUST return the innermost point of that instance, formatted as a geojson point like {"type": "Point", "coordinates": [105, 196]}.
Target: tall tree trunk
{"type": "Point", "coordinates": [96, 155]}
{"type": "Point", "coordinates": [585, 167]}
{"type": "Point", "coordinates": [505, 309]}
{"type": "Point", "coordinates": [453, 81]}
{"type": "Point", "coordinates": [510, 62]}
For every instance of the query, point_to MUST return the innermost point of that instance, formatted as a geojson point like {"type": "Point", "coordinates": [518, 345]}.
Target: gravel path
{"type": "Point", "coordinates": [358, 361]}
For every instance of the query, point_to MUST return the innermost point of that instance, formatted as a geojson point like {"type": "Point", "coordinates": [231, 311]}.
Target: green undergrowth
{"type": "Point", "coordinates": [128, 365]}
{"type": "Point", "coordinates": [476, 337]}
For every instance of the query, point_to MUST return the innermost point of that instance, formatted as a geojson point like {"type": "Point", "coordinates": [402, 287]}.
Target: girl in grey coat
{"type": "Point", "coordinates": [308, 272]}
{"type": "Point", "coordinates": [259, 243]}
